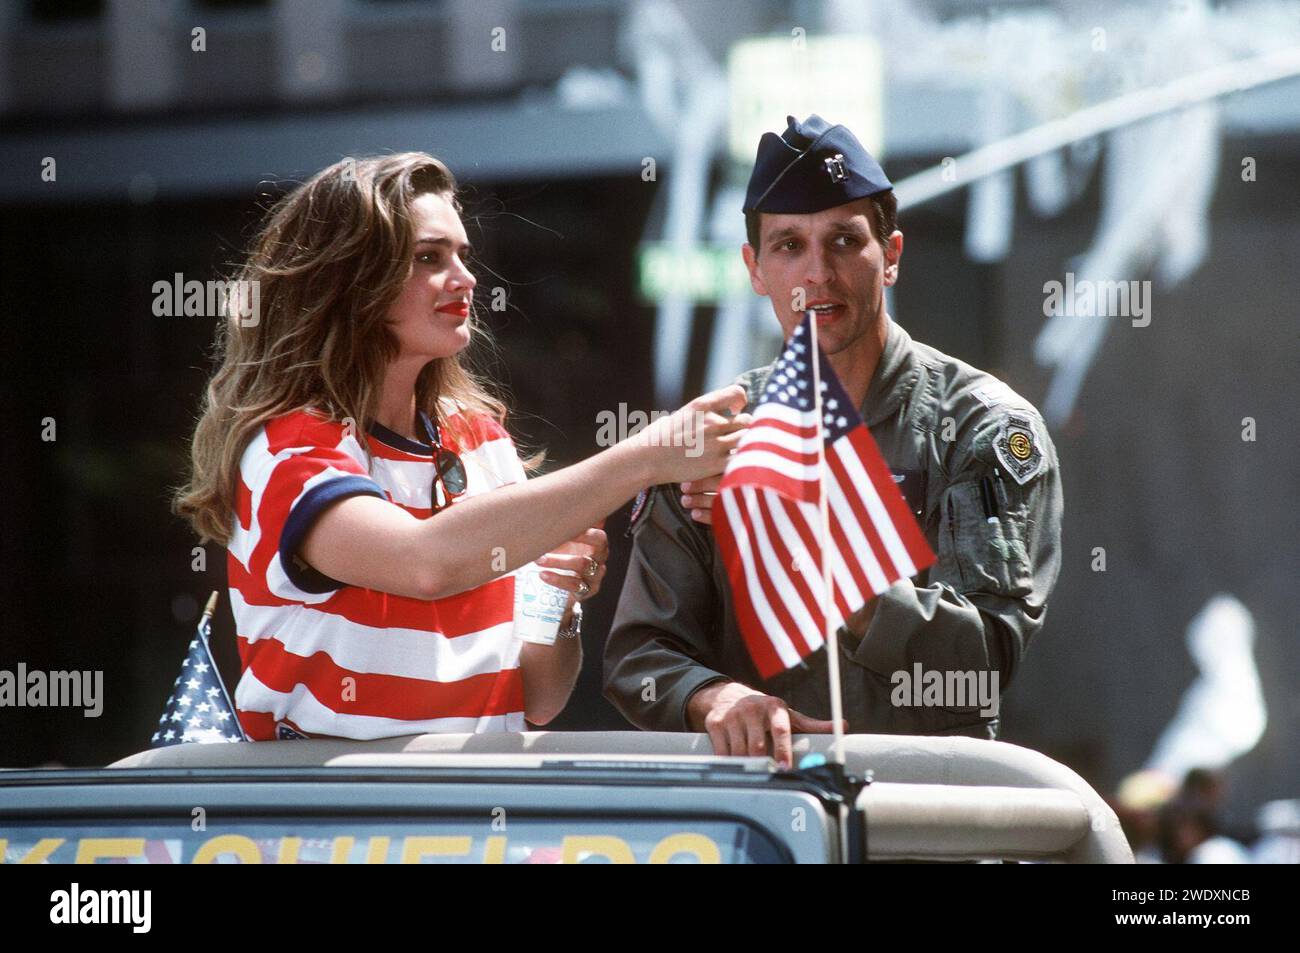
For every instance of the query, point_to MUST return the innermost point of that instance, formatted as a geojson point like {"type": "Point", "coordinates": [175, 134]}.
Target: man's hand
{"type": "Point", "coordinates": [742, 721]}
{"type": "Point", "coordinates": [698, 496]}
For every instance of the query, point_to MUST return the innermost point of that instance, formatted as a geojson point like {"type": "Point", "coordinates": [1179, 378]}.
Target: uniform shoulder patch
{"type": "Point", "coordinates": [1019, 447]}
{"type": "Point", "coordinates": [640, 509]}
{"type": "Point", "coordinates": [753, 381]}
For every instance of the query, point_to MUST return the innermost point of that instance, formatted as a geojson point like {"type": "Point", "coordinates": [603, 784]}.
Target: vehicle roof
{"type": "Point", "coordinates": [904, 758]}
{"type": "Point", "coordinates": [517, 748]}
{"type": "Point", "coordinates": [899, 767]}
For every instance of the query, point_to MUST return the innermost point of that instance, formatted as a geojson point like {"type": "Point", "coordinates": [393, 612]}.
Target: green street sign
{"type": "Point", "coordinates": [706, 274]}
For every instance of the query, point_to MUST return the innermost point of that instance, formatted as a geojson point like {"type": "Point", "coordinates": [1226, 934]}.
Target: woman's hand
{"type": "Point", "coordinates": [550, 671]}
{"type": "Point", "coordinates": [695, 442]}
{"type": "Point", "coordinates": [577, 566]}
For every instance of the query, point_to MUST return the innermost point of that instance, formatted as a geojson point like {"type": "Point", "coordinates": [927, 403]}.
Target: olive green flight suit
{"type": "Point", "coordinates": [976, 466]}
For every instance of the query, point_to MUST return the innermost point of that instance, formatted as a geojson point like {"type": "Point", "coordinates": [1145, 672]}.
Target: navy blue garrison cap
{"type": "Point", "coordinates": [810, 167]}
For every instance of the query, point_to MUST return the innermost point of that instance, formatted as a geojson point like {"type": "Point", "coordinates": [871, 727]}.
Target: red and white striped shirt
{"type": "Point", "coordinates": [321, 657]}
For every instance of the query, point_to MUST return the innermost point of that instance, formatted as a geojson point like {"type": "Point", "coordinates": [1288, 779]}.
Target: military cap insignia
{"type": "Point", "coordinates": [1019, 449]}
{"type": "Point", "coordinates": [835, 168]}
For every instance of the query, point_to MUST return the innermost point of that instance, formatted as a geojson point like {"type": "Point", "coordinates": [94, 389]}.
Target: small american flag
{"type": "Point", "coordinates": [199, 710]}
{"type": "Point", "coordinates": [770, 529]}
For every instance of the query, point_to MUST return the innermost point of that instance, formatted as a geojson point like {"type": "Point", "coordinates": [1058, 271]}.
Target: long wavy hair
{"type": "Point", "coordinates": [329, 258]}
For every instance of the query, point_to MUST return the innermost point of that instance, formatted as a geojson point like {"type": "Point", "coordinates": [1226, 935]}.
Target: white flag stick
{"type": "Point", "coordinates": [832, 639]}
{"type": "Point", "coordinates": [205, 631]}
{"type": "Point", "coordinates": [209, 609]}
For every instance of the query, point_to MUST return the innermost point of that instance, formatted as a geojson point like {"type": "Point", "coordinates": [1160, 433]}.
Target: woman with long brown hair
{"type": "Point", "coordinates": [361, 476]}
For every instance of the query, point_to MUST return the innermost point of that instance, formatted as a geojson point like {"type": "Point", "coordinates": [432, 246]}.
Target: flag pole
{"type": "Point", "coordinates": [205, 629]}
{"type": "Point", "coordinates": [832, 638]}
{"type": "Point", "coordinates": [210, 608]}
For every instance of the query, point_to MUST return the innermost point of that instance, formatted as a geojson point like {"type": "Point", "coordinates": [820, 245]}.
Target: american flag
{"type": "Point", "coordinates": [770, 531]}
{"type": "Point", "coordinates": [199, 710]}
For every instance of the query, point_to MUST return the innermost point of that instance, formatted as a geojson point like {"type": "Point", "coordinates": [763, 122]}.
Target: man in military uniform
{"type": "Point", "coordinates": [972, 459]}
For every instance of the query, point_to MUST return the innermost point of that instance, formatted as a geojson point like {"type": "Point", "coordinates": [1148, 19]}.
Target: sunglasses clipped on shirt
{"type": "Point", "coordinates": [448, 468]}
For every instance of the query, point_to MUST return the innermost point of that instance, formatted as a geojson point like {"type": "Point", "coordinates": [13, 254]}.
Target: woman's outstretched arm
{"type": "Point", "coordinates": [368, 542]}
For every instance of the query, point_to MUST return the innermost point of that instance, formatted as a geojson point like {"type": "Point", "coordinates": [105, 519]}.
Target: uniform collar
{"type": "Point", "coordinates": [885, 394]}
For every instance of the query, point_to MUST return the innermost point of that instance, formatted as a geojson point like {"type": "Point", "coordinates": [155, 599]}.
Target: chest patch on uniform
{"type": "Point", "coordinates": [1019, 448]}
{"type": "Point", "coordinates": [911, 483]}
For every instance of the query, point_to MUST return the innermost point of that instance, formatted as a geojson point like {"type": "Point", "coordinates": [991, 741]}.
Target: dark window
{"type": "Point", "coordinates": [232, 4]}
{"type": "Point", "coordinates": [54, 11]}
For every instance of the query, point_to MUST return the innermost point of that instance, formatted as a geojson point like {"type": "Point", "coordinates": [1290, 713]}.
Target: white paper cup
{"type": "Point", "coordinates": [539, 606]}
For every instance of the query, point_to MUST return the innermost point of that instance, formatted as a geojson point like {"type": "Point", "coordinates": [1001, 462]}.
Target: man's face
{"type": "Point", "coordinates": [829, 261]}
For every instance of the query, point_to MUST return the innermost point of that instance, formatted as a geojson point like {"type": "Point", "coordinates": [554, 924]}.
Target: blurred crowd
{"type": "Point", "coordinates": [1168, 821]}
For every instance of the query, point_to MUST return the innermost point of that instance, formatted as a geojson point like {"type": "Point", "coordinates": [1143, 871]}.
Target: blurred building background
{"type": "Point", "coordinates": [604, 145]}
